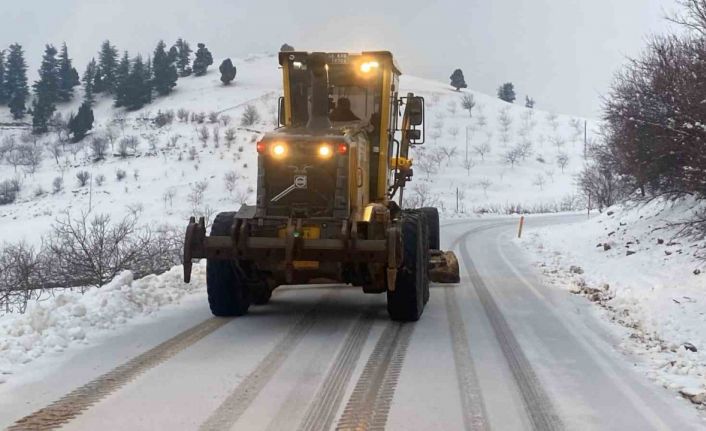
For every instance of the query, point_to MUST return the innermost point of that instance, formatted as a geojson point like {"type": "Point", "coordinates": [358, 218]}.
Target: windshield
{"type": "Point", "coordinates": [352, 97]}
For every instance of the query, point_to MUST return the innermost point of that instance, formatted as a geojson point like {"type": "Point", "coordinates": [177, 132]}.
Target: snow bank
{"type": "Point", "coordinates": [70, 318]}
{"type": "Point", "coordinates": [646, 278]}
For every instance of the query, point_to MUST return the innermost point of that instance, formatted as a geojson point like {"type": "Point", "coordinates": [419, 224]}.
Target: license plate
{"type": "Point", "coordinates": [338, 58]}
{"type": "Point", "coordinates": [305, 264]}
{"type": "Point", "coordinates": [306, 232]}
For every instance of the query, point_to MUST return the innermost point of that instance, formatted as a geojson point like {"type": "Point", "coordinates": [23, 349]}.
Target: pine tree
{"type": "Point", "coordinates": [80, 124]}
{"type": "Point", "coordinates": [46, 91]}
{"type": "Point", "coordinates": [164, 70]}
{"type": "Point", "coordinates": [108, 62]}
{"type": "Point", "coordinates": [16, 81]}
{"type": "Point", "coordinates": [67, 79]}
{"type": "Point", "coordinates": [149, 80]}
{"type": "Point", "coordinates": [3, 89]}
{"type": "Point", "coordinates": [89, 77]}
{"type": "Point", "coordinates": [183, 60]}
{"type": "Point", "coordinates": [228, 71]}
{"type": "Point", "coordinates": [203, 60]}
{"type": "Point", "coordinates": [457, 80]}
{"type": "Point", "coordinates": [286, 48]}
{"type": "Point", "coordinates": [506, 92]}
{"type": "Point", "coordinates": [121, 75]}
{"type": "Point", "coordinates": [138, 89]}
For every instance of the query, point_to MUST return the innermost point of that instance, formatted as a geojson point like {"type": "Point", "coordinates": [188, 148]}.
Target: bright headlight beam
{"type": "Point", "coordinates": [368, 66]}
{"type": "Point", "coordinates": [325, 151]}
{"type": "Point", "coordinates": [279, 150]}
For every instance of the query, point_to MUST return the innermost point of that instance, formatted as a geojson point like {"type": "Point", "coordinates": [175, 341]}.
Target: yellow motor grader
{"type": "Point", "coordinates": [330, 194]}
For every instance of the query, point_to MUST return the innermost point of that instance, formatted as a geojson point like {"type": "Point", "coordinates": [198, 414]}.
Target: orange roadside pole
{"type": "Point", "coordinates": [522, 223]}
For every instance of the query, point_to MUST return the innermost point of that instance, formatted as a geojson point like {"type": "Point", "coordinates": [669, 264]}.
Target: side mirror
{"type": "Point", "coordinates": [281, 121]}
{"type": "Point", "coordinates": [415, 110]}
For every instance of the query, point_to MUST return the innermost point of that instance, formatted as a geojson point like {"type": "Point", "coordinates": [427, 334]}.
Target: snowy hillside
{"type": "Point", "coordinates": [647, 274]}
{"type": "Point", "coordinates": [180, 168]}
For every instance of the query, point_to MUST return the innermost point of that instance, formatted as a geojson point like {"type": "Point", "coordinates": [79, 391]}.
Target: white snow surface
{"type": "Point", "coordinates": [69, 319]}
{"type": "Point", "coordinates": [656, 296]}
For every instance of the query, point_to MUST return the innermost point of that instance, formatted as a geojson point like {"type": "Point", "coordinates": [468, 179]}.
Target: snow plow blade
{"type": "Point", "coordinates": [443, 267]}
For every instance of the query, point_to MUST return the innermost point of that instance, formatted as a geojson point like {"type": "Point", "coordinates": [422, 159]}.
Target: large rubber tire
{"type": "Point", "coordinates": [228, 294]}
{"type": "Point", "coordinates": [406, 302]}
{"type": "Point", "coordinates": [432, 215]}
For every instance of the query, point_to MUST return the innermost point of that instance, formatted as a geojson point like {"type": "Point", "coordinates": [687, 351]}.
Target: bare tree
{"type": "Point", "coordinates": [482, 150]}
{"type": "Point", "coordinates": [99, 146]}
{"type": "Point", "coordinates": [203, 135]}
{"type": "Point", "coordinates": [449, 152]}
{"type": "Point", "coordinates": [468, 103]}
{"type": "Point", "coordinates": [57, 184]}
{"type": "Point", "coordinates": [168, 196]}
{"type": "Point", "coordinates": [31, 157]}
{"type": "Point", "coordinates": [453, 131]}
{"type": "Point", "coordinates": [485, 184]}
{"type": "Point", "coordinates": [468, 165]}
{"type": "Point", "coordinates": [539, 181]}
{"type": "Point", "coordinates": [511, 157]}
{"type": "Point", "coordinates": [562, 160]}
{"type": "Point", "coordinates": [231, 181]}
{"type": "Point", "coordinates": [552, 120]}
{"type": "Point", "coordinates": [229, 137]}
{"type": "Point", "coordinates": [216, 136]}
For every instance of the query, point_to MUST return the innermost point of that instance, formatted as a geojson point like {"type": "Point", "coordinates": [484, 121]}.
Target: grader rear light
{"type": "Point", "coordinates": [342, 149]}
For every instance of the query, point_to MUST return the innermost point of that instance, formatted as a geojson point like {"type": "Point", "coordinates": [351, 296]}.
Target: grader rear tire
{"type": "Point", "coordinates": [432, 215]}
{"type": "Point", "coordinates": [406, 302]}
{"type": "Point", "coordinates": [228, 294]}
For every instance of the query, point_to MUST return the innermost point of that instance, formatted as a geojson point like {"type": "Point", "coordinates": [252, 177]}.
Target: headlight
{"type": "Point", "coordinates": [279, 150]}
{"type": "Point", "coordinates": [368, 66]}
{"type": "Point", "coordinates": [325, 151]}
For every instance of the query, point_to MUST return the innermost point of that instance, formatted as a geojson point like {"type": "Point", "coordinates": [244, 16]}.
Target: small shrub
{"type": "Point", "coordinates": [100, 179]}
{"type": "Point", "coordinates": [213, 117]}
{"type": "Point", "coordinates": [164, 118]}
{"type": "Point", "coordinates": [83, 177]}
{"type": "Point", "coordinates": [250, 116]}
{"type": "Point", "coordinates": [183, 115]}
{"type": "Point", "coordinates": [120, 175]}
{"type": "Point", "coordinates": [57, 184]}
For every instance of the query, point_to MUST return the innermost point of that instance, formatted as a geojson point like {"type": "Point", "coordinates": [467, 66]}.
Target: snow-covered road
{"type": "Point", "coordinates": [498, 351]}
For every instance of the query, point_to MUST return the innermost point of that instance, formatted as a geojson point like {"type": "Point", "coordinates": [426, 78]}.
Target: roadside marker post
{"type": "Point", "coordinates": [519, 230]}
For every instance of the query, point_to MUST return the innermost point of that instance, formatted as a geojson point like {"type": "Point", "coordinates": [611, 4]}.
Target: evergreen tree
{"type": "Point", "coordinates": [203, 60]}
{"type": "Point", "coordinates": [286, 48]}
{"type": "Point", "coordinates": [506, 92]}
{"type": "Point", "coordinates": [80, 124]}
{"type": "Point", "coordinates": [46, 91]}
{"type": "Point", "coordinates": [89, 77]}
{"type": "Point", "coordinates": [16, 81]}
{"type": "Point", "coordinates": [164, 70]}
{"type": "Point", "coordinates": [228, 71]}
{"type": "Point", "coordinates": [457, 80]}
{"type": "Point", "coordinates": [138, 89]}
{"type": "Point", "coordinates": [68, 77]}
{"type": "Point", "coordinates": [122, 74]}
{"type": "Point", "coordinates": [98, 86]}
{"type": "Point", "coordinates": [108, 62]}
{"type": "Point", "coordinates": [149, 80]}
{"type": "Point", "coordinates": [3, 89]}
{"type": "Point", "coordinates": [183, 60]}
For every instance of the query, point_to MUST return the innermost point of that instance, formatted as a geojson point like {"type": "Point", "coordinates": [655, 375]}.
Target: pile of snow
{"type": "Point", "coordinates": [70, 318]}
{"type": "Point", "coordinates": [648, 278]}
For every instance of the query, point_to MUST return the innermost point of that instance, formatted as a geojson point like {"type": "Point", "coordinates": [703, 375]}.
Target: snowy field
{"type": "Point", "coordinates": [646, 277]}
{"type": "Point", "coordinates": [179, 169]}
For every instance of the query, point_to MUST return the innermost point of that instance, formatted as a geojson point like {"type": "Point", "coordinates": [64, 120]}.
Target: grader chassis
{"type": "Point", "coordinates": [326, 189]}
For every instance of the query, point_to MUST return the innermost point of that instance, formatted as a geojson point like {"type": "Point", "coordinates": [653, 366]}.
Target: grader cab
{"type": "Point", "coordinates": [330, 190]}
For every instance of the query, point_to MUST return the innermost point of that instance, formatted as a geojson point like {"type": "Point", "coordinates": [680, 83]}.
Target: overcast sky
{"type": "Point", "coordinates": [561, 52]}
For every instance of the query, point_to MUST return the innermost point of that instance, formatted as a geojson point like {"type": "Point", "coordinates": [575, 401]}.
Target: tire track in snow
{"type": "Point", "coordinates": [539, 407]}
{"type": "Point", "coordinates": [77, 401]}
{"type": "Point", "coordinates": [369, 404]}
{"type": "Point", "coordinates": [322, 410]}
{"type": "Point", "coordinates": [233, 407]}
{"type": "Point", "coordinates": [474, 415]}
